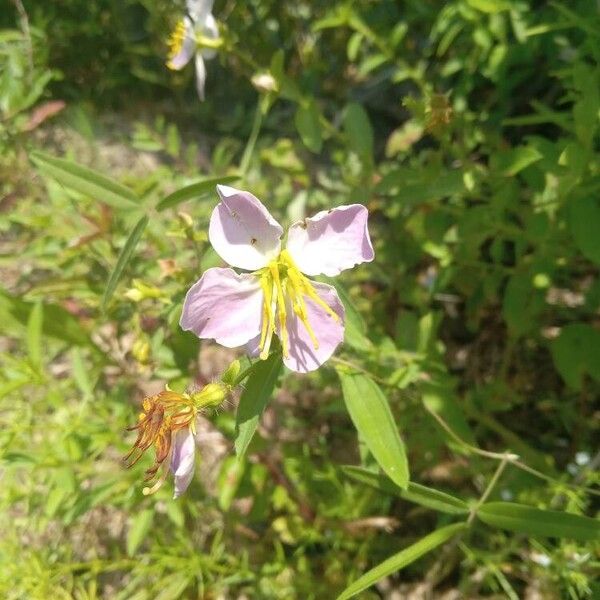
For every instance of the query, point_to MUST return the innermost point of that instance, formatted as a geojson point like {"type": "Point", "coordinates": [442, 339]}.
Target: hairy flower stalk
{"type": "Point", "coordinates": [276, 296]}
{"type": "Point", "coordinates": [168, 423]}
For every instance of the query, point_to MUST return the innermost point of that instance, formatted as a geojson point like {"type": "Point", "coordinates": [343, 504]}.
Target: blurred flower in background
{"type": "Point", "coordinates": [189, 39]}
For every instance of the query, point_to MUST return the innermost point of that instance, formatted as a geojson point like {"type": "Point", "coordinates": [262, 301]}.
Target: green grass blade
{"type": "Point", "coordinates": [419, 494]}
{"type": "Point", "coordinates": [535, 521]}
{"type": "Point", "coordinates": [86, 181]}
{"type": "Point", "coordinates": [194, 191]}
{"type": "Point", "coordinates": [124, 257]}
{"type": "Point", "coordinates": [372, 417]}
{"type": "Point", "coordinates": [402, 559]}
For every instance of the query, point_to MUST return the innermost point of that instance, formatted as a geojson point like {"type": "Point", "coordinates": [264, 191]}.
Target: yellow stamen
{"type": "Point", "coordinates": [175, 42]}
{"type": "Point", "coordinates": [281, 312]}
{"type": "Point", "coordinates": [281, 278]}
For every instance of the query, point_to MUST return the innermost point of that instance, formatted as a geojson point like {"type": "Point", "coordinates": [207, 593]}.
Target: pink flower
{"type": "Point", "coordinates": [276, 297]}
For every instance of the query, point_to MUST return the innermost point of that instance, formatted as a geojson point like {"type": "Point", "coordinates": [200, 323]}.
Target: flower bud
{"type": "Point", "coordinates": [210, 396]}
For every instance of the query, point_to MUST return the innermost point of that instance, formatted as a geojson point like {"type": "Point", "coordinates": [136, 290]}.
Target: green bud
{"type": "Point", "coordinates": [210, 396]}
{"type": "Point", "coordinates": [231, 373]}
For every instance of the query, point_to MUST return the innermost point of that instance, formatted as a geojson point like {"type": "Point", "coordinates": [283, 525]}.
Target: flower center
{"type": "Point", "coordinates": [175, 42]}
{"type": "Point", "coordinates": [285, 287]}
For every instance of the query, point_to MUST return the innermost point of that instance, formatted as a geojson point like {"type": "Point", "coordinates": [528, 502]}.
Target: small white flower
{"type": "Point", "coordinates": [183, 44]}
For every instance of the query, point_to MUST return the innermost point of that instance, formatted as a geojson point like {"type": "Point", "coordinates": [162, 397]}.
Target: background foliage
{"type": "Point", "coordinates": [470, 130]}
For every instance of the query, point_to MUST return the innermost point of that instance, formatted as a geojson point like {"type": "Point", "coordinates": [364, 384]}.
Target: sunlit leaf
{"type": "Point", "coordinates": [511, 162]}
{"type": "Point", "coordinates": [419, 494]}
{"type": "Point", "coordinates": [359, 131]}
{"type": "Point", "coordinates": [195, 191]}
{"type": "Point", "coordinates": [538, 522]}
{"type": "Point", "coordinates": [86, 181]}
{"type": "Point", "coordinates": [490, 6]}
{"type": "Point", "coordinates": [258, 390]}
{"type": "Point", "coordinates": [372, 417]}
{"type": "Point", "coordinates": [124, 257]}
{"type": "Point", "coordinates": [309, 127]}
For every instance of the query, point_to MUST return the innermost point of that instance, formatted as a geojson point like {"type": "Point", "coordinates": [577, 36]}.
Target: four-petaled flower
{"type": "Point", "coordinates": [168, 422]}
{"type": "Point", "coordinates": [276, 297]}
{"type": "Point", "coordinates": [183, 43]}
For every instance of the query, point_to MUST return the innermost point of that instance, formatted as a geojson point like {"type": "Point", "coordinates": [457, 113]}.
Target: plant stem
{"type": "Point", "coordinates": [249, 149]}
{"type": "Point", "coordinates": [488, 490]}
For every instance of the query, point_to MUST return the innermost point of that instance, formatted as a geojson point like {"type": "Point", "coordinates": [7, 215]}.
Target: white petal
{"type": "Point", "coordinates": [331, 241]}
{"type": "Point", "coordinates": [199, 9]}
{"type": "Point", "coordinates": [200, 75]}
{"type": "Point", "coordinates": [211, 31]}
{"type": "Point", "coordinates": [242, 230]}
{"type": "Point", "coordinates": [224, 306]}
{"type": "Point", "coordinates": [182, 460]}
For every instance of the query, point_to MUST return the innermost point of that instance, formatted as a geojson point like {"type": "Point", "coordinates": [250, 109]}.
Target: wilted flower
{"type": "Point", "coordinates": [277, 297]}
{"type": "Point", "coordinates": [184, 43]}
{"type": "Point", "coordinates": [168, 422]}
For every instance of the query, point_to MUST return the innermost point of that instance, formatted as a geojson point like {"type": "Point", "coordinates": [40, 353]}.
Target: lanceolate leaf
{"type": "Point", "coordinates": [403, 558]}
{"type": "Point", "coordinates": [419, 494]}
{"type": "Point", "coordinates": [194, 191]}
{"type": "Point", "coordinates": [355, 331]}
{"type": "Point", "coordinates": [535, 521]}
{"type": "Point", "coordinates": [124, 257]}
{"type": "Point", "coordinates": [259, 388]}
{"type": "Point", "coordinates": [371, 414]}
{"type": "Point", "coordinates": [88, 182]}
{"type": "Point", "coordinates": [309, 127]}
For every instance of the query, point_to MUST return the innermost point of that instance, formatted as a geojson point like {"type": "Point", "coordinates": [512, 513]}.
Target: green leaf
{"type": "Point", "coordinates": [513, 161]}
{"type": "Point", "coordinates": [355, 327]}
{"type": "Point", "coordinates": [576, 351]}
{"type": "Point", "coordinates": [372, 417]}
{"type": "Point", "coordinates": [522, 304]}
{"type": "Point", "coordinates": [124, 257]}
{"type": "Point", "coordinates": [538, 522]}
{"type": "Point", "coordinates": [490, 6]}
{"type": "Point", "coordinates": [309, 126]}
{"type": "Point", "coordinates": [584, 220]}
{"type": "Point", "coordinates": [194, 191]}
{"type": "Point", "coordinates": [402, 559]}
{"type": "Point", "coordinates": [359, 131]}
{"type": "Point", "coordinates": [174, 588]}
{"type": "Point", "coordinates": [259, 388]}
{"type": "Point", "coordinates": [138, 530]}
{"type": "Point", "coordinates": [86, 181]}
{"type": "Point", "coordinates": [34, 336]}
{"type": "Point", "coordinates": [419, 494]}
